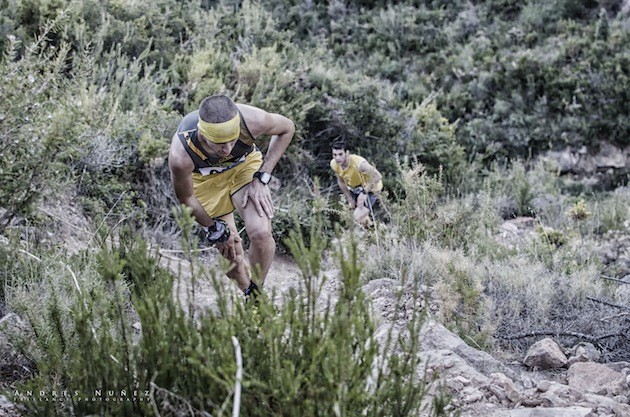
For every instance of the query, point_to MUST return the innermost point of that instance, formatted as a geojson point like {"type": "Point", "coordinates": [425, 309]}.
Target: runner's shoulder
{"type": "Point", "coordinates": [178, 158]}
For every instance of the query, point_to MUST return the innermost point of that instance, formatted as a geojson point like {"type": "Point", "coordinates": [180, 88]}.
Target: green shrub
{"type": "Point", "coordinates": [433, 142]}
{"type": "Point", "coordinates": [611, 212]}
{"type": "Point", "coordinates": [427, 213]}
{"type": "Point", "coordinates": [35, 95]}
{"type": "Point", "coordinates": [99, 94]}
{"type": "Point", "coordinates": [518, 78]}
{"type": "Point", "coordinates": [116, 324]}
{"type": "Point", "coordinates": [534, 188]}
{"type": "Point", "coordinates": [454, 284]}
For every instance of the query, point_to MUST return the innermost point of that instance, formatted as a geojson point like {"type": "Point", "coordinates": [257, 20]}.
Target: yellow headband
{"type": "Point", "coordinates": [220, 132]}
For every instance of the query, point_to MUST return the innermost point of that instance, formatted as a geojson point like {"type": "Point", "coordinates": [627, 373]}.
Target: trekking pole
{"type": "Point", "coordinates": [378, 245]}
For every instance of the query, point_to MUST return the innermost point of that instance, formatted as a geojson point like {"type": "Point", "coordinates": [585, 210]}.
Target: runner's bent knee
{"type": "Point", "coordinates": [260, 234]}
{"type": "Point", "coordinates": [360, 213]}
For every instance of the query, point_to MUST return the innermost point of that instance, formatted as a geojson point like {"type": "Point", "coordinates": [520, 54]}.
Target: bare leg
{"type": "Point", "coordinates": [262, 245]}
{"type": "Point", "coordinates": [361, 215]}
{"type": "Point", "coordinates": [240, 270]}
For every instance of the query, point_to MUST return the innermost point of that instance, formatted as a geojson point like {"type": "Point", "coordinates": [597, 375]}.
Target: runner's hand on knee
{"type": "Point", "coordinates": [260, 196]}
{"type": "Point", "coordinates": [228, 248]}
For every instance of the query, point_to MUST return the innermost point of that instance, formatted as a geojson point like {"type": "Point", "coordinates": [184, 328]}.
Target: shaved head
{"type": "Point", "coordinates": [218, 108]}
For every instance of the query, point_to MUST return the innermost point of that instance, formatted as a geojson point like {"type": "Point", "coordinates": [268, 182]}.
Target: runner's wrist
{"type": "Point", "coordinates": [262, 176]}
{"type": "Point", "coordinates": [217, 232]}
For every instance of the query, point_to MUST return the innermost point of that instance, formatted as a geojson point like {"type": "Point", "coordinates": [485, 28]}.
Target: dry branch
{"type": "Point", "coordinates": [589, 338]}
{"type": "Point", "coordinates": [608, 303]}
{"type": "Point", "coordinates": [615, 279]}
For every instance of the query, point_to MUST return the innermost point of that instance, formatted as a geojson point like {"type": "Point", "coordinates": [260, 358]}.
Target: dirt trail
{"type": "Point", "coordinates": [283, 274]}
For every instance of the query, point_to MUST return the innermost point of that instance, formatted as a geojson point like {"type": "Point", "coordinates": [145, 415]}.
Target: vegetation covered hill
{"type": "Point", "coordinates": [457, 103]}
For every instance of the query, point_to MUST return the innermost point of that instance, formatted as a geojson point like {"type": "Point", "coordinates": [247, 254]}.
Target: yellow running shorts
{"type": "Point", "coordinates": [215, 191]}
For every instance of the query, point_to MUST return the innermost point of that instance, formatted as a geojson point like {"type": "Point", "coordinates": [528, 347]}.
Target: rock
{"type": "Point", "coordinates": [380, 285]}
{"type": "Point", "coordinates": [560, 395]}
{"type": "Point", "coordinates": [507, 385]}
{"type": "Point", "coordinates": [509, 227]}
{"type": "Point", "coordinates": [546, 412]}
{"type": "Point", "coordinates": [8, 317]}
{"type": "Point", "coordinates": [449, 365]}
{"type": "Point", "coordinates": [516, 231]}
{"type": "Point", "coordinates": [526, 381]}
{"type": "Point", "coordinates": [462, 380]}
{"type": "Point", "coordinates": [610, 156]}
{"type": "Point", "coordinates": [434, 336]}
{"type": "Point", "coordinates": [454, 385]}
{"type": "Point", "coordinates": [472, 395]}
{"type": "Point", "coordinates": [623, 367]}
{"type": "Point", "coordinates": [7, 408]}
{"type": "Point", "coordinates": [383, 294]}
{"type": "Point", "coordinates": [621, 399]}
{"type": "Point", "coordinates": [607, 405]}
{"type": "Point", "coordinates": [592, 167]}
{"type": "Point", "coordinates": [551, 399]}
{"type": "Point", "coordinates": [584, 352]}
{"type": "Point", "coordinates": [545, 354]}
{"type": "Point", "coordinates": [565, 159]}
{"type": "Point", "coordinates": [596, 378]}
{"type": "Point", "coordinates": [584, 161]}
{"type": "Point", "coordinates": [518, 225]}
{"type": "Point", "coordinates": [499, 393]}
{"type": "Point", "coordinates": [543, 386]}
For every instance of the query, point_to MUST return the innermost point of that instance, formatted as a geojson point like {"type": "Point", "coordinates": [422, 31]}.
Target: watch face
{"type": "Point", "coordinates": [264, 177]}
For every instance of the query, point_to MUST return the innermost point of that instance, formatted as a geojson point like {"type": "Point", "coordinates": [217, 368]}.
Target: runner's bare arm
{"type": "Point", "coordinates": [181, 167]}
{"type": "Point", "coordinates": [344, 188]}
{"type": "Point", "coordinates": [373, 174]}
{"type": "Point", "coordinates": [281, 130]}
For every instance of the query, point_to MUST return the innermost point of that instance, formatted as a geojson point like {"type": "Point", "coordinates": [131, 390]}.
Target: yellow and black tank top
{"type": "Point", "coordinates": [206, 164]}
{"type": "Point", "coordinates": [352, 176]}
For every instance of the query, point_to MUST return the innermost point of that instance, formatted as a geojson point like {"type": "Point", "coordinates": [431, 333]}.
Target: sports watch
{"type": "Point", "coordinates": [263, 177]}
{"type": "Point", "coordinates": [219, 232]}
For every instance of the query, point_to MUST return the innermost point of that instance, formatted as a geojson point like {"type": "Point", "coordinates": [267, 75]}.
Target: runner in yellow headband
{"type": "Point", "coordinates": [217, 168]}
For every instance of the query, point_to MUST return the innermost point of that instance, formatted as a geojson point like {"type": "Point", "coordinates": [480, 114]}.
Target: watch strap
{"type": "Point", "coordinates": [263, 177]}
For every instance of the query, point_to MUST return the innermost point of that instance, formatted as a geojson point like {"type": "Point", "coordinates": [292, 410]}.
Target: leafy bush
{"type": "Point", "coordinates": [519, 78]}
{"type": "Point", "coordinates": [433, 142]}
{"type": "Point", "coordinates": [33, 140]}
{"type": "Point", "coordinates": [295, 357]}
{"type": "Point", "coordinates": [427, 213]}
{"type": "Point", "coordinates": [611, 212]}
{"type": "Point", "coordinates": [531, 189]}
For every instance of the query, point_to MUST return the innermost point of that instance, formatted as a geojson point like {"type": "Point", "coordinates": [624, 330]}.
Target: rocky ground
{"type": "Point", "coordinates": [547, 382]}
